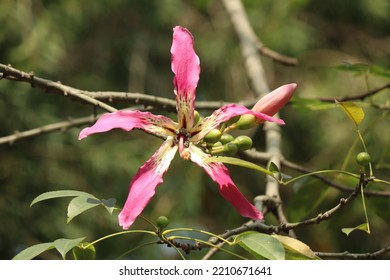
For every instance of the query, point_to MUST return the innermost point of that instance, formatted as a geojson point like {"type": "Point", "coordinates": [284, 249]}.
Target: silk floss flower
{"type": "Point", "coordinates": [184, 136]}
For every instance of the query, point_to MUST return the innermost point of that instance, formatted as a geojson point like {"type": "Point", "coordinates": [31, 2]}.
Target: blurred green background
{"type": "Point", "coordinates": [124, 45]}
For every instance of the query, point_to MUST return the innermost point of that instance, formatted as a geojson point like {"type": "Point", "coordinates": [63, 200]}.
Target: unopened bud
{"type": "Point", "coordinates": [363, 159]}
{"type": "Point", "coordinates": [245, 122]}
{"type": "Point", "coordinates": [162, 222]}
{"type": "Point", "coordinates": [213, 136]}
{"type": "Point", "coordinates": [197, 117]}
{"type": "Point", "coordinates": [226, 138]}
{"type": "Point", "coordinates": [243, 142]}
{"type": "Point", "coordinates": [230, 149]}
{"type": "Point", "coordinates": [233, 120]}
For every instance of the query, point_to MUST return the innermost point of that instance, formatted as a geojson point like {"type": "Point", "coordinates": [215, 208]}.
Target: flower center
{"type": "Point", "coordinates": [182, 139]}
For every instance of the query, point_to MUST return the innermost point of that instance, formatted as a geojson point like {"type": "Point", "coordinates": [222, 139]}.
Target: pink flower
{"type": "Point", "coordinates": [184, 135]}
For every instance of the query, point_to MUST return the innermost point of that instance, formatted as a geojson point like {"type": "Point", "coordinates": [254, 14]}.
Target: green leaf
{"type": "Point", "coordinates": [33, 251]}
{"type": "Point", "coordinates": [273, 168]}
{"type": "Point", "coordinates": [310, 104]}
{"type": "Point", "coordinates": [80, 204]}
{"type": "Point", "coordinates": [295, 249]}
{"type": "Point", "coordinates": [109, 204]}
{"type": "Point", "coordinates": [58, 194]}
{"type": "Point", "coordinates": [84, 251]}
{"type": "Point", "coordinates": [239, 162]}
{"type": "Point", "coordinates": [362, 227]}
{"type": "Point", "coordinates": [261, 246]}
{"type": "Point", "coordinates": [361, 69]}
{"type": "Point", "coordinates": [353, 111]}
{"type": "Point", "coordinates": [63, 245]}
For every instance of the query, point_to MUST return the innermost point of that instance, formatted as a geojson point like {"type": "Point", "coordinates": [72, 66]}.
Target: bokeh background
{"type": "Point", "coordinates": [123, 45]}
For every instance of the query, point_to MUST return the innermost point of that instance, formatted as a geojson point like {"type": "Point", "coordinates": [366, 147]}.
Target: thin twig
{"type": "Point", "coordinates": [60, 126]}
{"type": "Point", "coordinates": [348, 255]}
{"type": "Point", "coordinates": [13, 74]}
{"type": "Point", "coordinates": [361, 96]}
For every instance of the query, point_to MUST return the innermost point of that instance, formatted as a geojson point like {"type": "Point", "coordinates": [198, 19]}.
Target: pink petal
{"type": "Point", "coordinates": [223, 114]}
{"type": "Point", "coordinates": [220, 174]}
{"type": "Point", "coordinates": [271, 103]}
{"type": "Point", "coordinates": [127, 120]}
{"type": "Point", "coordinates": [144, 183]}
{"type": "Point", "coordinates": [186, 67]}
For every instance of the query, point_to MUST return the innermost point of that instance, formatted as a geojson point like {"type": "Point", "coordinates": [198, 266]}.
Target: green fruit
{"type": "Point", "coordinates": [162, 222]}
{"type": "Point", "coordinates": [246, 122]}
{"type": "Point", "coordinates": [243, 142]}
{"type": "Point", "coordinates": [363, 158]}
{"type": "Point", "coordinates": [213, 136]}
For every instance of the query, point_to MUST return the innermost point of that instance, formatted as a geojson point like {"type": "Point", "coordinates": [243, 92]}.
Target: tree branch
{"type": "Point", "coordinates": [10, 73]}
{"type": "Point", "coordinates": [60, 126]}
{"type": "Point", "coordinates": [249, 43]}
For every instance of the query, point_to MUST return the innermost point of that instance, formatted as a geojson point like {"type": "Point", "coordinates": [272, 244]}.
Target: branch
{"type": "Point", "coordinates": [348, 255]}
{"type": "Point", "coordinates": [256, 156]}
{"type": "Point", "coordinates": [60, 126]}
{"type": "Point", "coordinates": [10, 73]}
{"type": "Point", "coordinates": [249, 43]}
{"type": "Point", "coordinates": [361, 96]}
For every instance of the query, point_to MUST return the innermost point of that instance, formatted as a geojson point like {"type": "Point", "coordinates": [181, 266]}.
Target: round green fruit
{"type": "Point", "coordinates": [162, 222]}
{"type": "Point", "coordinates": [363, 158]}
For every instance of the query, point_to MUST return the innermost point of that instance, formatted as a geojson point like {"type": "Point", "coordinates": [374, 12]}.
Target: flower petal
{"type": "Point", "coordinates": [271, 103]}
{"type": "Point", "coordinates": [144, 183]}
{"type": "Point", "coordinates": [220, 174]}
{"type": "Point", "coordinates": [186, 67]}
{"type": "Point", "coordinates": [160, 126]}
{"type": "Point", "coordinates": [223, 114]}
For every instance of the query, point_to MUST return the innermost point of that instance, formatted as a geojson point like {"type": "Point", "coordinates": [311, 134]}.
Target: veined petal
{"type": "Point", "coordinates": [160, 126]}
{"type": "Point", "coordinates": [271, 103]}
{"type": "Point", "coordinates": [144, 183]}
{"type": "Point", "coordinates": [223, 114]}
{"type": "Point", "coordinates": [186, 67]}
{"type": "Point", "coordinates": [220, 174]}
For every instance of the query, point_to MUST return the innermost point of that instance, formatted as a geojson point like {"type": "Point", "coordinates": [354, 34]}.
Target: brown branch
{"type": "Point", "coordinates": [283, 59]}
{"type": "Point", "coordinates": [60, 126]}
{"type": "Point", "coordinates": [10, 73]}
{"type": "Point", "coordinates": [361, 96]}
{"type": "Point", "coordinates": [348, 255]}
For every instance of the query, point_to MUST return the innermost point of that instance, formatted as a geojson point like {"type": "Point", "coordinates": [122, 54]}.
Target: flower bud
{"type": "Point", "coordinates": [213, 136]}
{"type": "Point", "coordinates": [162, 222]}
{"type": "Point", "coordinates": [271, 103]}
{"type": "Point", "coordinates": [363, 159]}
{"type": "Point", "coordinates": [230, 149]}
{"type": "Point", "coordinates": [197, 117]}
{"type": "Point", "coordinates": [245, 122]}
{"type": "Point", "coordinates": [226, 138]}
{"type": "Point", "coordinates": [232, 120]}
{"type": "Point", "coordinates": [243, 142]}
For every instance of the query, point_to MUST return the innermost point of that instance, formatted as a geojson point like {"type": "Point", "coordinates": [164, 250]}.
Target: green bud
{"type": "Point", "coordinates": [226, 138]}
{"type": "Point", "coordinates": [213, 136]}
{"type": "Point", "coordinates": [363, 159]}
{"type": "Point", "coordinates": [162, 222]}
{"type": "Point", "coordinates": [243, 142]}
{"type": "Point", "coordinates": [197, 117]}
{"type": "Point", "coordinates": [230, 149]}
{"type": "Point", "coordinates": [246, 122]}
{"type": "Point", "coordinates": [84, 251]}
{"type": "Point", "coordinates": [233, 120]}
{"type": "Point", "coordinates": [214, 145]}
